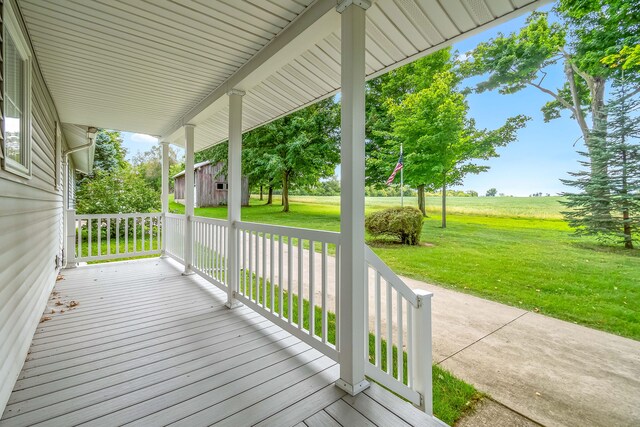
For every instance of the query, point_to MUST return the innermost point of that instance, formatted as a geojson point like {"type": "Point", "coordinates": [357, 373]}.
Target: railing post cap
{"type": "Point", "coordinates": [422, 294]}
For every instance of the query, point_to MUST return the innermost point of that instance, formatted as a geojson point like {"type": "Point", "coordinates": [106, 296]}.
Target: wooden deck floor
{"type": "Point", "coordinates": [147, 346]}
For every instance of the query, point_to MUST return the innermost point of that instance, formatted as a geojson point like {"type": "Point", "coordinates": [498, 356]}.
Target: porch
{"type": "Point", "coordinates": [147, 345]}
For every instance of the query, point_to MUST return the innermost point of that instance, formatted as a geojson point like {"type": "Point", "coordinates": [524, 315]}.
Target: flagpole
{"type": "Point", "coordinates": [401, 181]}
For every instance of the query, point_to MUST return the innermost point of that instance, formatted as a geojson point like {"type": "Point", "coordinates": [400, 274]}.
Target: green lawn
{"type": "Point", "coordinates": [513, 250]}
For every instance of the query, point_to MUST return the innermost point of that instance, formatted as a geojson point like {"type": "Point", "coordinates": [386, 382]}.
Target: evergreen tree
{"type": "Point", "coordinates": [608, 203]}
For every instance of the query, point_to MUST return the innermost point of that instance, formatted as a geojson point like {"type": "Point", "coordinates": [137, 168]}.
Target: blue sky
{"type": "Point", "coordinates": [535, 162]}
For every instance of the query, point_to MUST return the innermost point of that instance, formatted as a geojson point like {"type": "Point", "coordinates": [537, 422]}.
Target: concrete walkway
{"type": "Point", "coordinates": [554, 372]}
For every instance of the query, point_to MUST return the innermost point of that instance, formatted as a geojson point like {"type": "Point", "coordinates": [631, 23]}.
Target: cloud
{"type": "Point", "coordinates": [141, 137]}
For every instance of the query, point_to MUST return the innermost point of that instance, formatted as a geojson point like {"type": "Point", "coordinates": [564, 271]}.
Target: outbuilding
{"type": "Point", "coordinates": [210, 185]}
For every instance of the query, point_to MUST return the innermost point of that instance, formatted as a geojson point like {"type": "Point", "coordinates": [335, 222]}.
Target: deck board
{"type": "Point", "coordinates": [148, 346]}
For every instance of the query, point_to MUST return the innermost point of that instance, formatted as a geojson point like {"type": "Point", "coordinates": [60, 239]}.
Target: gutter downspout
{"type": "Point", "coordinates": [91, 136]}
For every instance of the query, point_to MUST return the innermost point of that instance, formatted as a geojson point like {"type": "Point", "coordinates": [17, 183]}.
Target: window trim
{"type": "Point", "coordinates": [12, 28]}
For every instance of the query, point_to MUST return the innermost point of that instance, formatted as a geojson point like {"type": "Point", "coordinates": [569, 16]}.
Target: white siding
{"type": "Point", "coordinates": [30, 218]}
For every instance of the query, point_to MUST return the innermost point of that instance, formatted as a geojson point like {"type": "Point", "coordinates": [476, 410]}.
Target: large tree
{"type": "Point", "coordinates": [297, 149]}
{"type": "Point", "coordinates": [441, 143]}
{"type": "Point", "coordinates": [608, 204]}
{"type": "Point", "coordinates": [577, 36]}
{"type": "Point", "coordinates": [382, 150]}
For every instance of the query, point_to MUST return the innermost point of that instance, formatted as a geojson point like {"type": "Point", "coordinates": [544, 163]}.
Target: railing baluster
{"type": "Point", "coordinates": [312, 291]}
{"type": "Point", "coordinates": [410, 345]}
{"type": "Point", "coordinates": [159, 229]}
{"type": "Point", "coordinates": [99, 236]}
{"type": "Point", "coordinates": [378, 321]}
{"type": "Point", "coordinates": [324, 292]}
{"type": "Point", "coordinates": [366, 310]}
{"type": "Point", "coordinates": [79, 232]}
{"type": "Point", "coordinates": [389, 331]}
{"type": "Point", "coordinates": [135, 234]}
{"type": "Point", "coordinates": [271, 275]}
{"type": "Point", "coordinates": [290, 279]}
{"type": "Point", "coordinates": [399, 350]}
{"type": "Point", "coordinates": [251, 265]}
{"type": "Point", "coordinates": [300, 294]}
{"type": "Point", "coordinates": [150, 234]}
{"type": "Point", "coordinates": [280, 276]}
{"type": "Point", "coordinates": [117, 235]}
{"type": "Point", "coordinates": [126, 235]}
{"type": "Point", "coordinates": [108, 236]}
{"type": "Point", "coordinates": [142, 232]}
{"type": "Point", "coordinates": [89, 237]}
{"type": "Point", "coordinates": [264, 269]}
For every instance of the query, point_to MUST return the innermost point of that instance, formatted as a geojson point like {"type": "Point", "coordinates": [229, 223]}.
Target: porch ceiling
{"type": "Point", "coordinates": [152, 66]}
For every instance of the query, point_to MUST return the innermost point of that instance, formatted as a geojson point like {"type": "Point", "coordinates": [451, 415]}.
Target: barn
{"type": "Point", "coordinates": [210, 185]}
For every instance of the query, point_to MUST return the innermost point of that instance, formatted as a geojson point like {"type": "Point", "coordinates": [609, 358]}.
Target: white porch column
{"type": "Point", "coordinates": [165, 192]}
{"type": "Point", "coordinates": [234, 193]}
{"type": "Point", "coordinates": [352, 333]}
{"type": "Point", "coordinates": [189, 132]}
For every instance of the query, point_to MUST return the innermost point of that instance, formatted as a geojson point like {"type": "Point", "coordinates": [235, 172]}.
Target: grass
{"type": "Point", "coordinates": [517, 251]}
{"type": "Point", "coordinates": [122, 246]}
{"type": "Point", "coordinates": [452, 398]}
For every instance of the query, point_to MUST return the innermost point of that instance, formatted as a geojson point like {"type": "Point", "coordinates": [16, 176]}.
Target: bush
{"type": "Point", "coordinates": [402, 223]}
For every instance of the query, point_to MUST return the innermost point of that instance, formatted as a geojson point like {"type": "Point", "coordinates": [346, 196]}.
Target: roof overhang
{"type": "Point", "coordinates": [153, 67]}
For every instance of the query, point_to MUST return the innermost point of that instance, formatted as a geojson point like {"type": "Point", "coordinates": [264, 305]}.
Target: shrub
{"type": "Point", "coordinates": [402, 223]}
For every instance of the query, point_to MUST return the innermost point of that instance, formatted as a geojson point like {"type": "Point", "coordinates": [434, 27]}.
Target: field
{"type": "Point", "coordinates": [508, 249]}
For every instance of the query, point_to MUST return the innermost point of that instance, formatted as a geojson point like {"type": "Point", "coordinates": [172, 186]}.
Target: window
{"type": "Point", "coordinates": [221, 185]}
{"type": "Point", "coordinates": [17, 97]}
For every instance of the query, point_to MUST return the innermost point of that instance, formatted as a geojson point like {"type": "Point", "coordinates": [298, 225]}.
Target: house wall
{"type": "Point", "coordinates": [30, 232]}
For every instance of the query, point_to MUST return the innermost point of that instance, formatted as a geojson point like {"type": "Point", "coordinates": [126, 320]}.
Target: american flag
{"type": "Point", "coordinates": [399, 166]}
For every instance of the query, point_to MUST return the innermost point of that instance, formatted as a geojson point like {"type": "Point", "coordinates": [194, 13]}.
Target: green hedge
{"type": "Point", "coordinates": [405, 224]}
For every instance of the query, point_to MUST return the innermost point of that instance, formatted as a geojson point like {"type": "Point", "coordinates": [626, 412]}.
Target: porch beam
{"type": "Point", "coordinates": [234, 192]}
{"type": "Point", "coordinates": [352, 333]}
{"type": "Point", "coordinates": [189, 135]}
{"type": "Point", "coordinates": [165, 191]}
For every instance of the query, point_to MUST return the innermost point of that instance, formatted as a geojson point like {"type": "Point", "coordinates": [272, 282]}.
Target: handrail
{"type": "Point", "coordinates": [207, 220]}
{"type": "Point", "coordinates": [116, 216]}
{"type": "Point", "coordinates": [389, 275]}
{"type": "Point", "coordinates": [303, 233]}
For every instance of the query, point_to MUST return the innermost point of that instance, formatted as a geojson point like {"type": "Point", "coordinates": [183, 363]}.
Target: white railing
{"type": "Point", "coordinates": [210, 249]}
{"type": "Point", "coordinates": [399, 329]}
{"type": "Point", "coordinates": [174, 236]}
{"type": "Point", "coordinates": [113, 236]}
{"type": "Point", "coordinates": [290, 276]}
{"type": "Point", "coordinates": [287, 275]}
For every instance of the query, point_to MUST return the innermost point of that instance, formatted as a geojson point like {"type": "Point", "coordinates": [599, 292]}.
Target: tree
{"type": "Point", "coordinates": [618, 218]}
{"type": "Point", "coordinates": [149, 166]}
{"type": "Point", "coordinates": [120, 191]}
{"type": "Point", "coordinates": [492, 192]}
{"type": "Point", "coordinates": [109, 152]}
{"type": "Point", "coordinates": [589, 32]}
{"type": "Point", "coordinates": [297, 149]}
{"type": "Point", "coordinates": [440, 142]}
{"type": "Point", "coordinates": [115, 186]}
{"type": "Point", "coordinates": [382, 150]}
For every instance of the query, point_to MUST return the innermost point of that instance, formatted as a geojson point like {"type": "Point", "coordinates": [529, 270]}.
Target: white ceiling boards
{"type": "Point", "coordinates": [150, 66]}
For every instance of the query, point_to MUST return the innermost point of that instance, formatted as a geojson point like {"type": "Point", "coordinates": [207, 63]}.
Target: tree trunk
{"type": "Point", "coordinates": [444, 205]}
{"type": "Point", "coordinates": [421, 201]}
{"type": "Point", "coordinates": [270, 195]}
{"type": "Point", "coordinates": [285, 192]}
{"type": "Point", "coordinates": [628, 241]}
{"type": "Point", "coordinates": [261, 192]}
